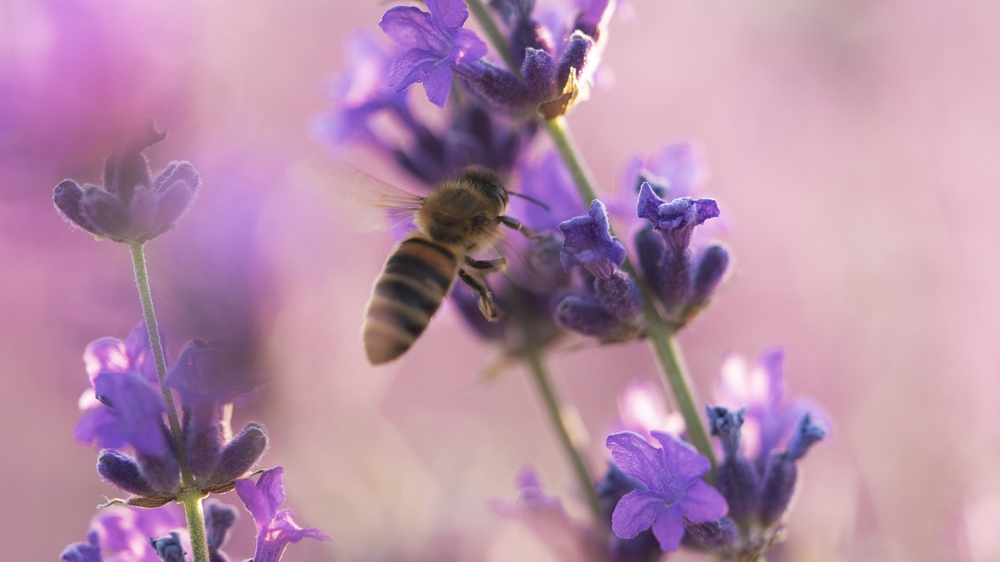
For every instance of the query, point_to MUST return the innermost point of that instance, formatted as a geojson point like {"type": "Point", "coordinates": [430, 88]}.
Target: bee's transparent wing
{"type": "Point", "coordinates": [368, 203]}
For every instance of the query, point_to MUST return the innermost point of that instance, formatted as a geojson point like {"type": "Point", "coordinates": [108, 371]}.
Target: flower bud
{"type": "Point", "coordinates": [539, 74]}
{"type": "Point", "coordinates": [161, 471]}
{"type": "Point", "coordinates": [781, 477]}
{"type": "Point", "coordinates": [169, 549]}
{"type": "Point", "coordinates": [574, 57]}
{"type": "Point", "coordinates": [735, 478]}
{"type": "Point", "coordinates": [620, 296]}
{"type": "Point", "coordinates": [586, 316]}
{"type": "Point", "coordinates": [122, 471]}
{"type": "Point", "coordinates": [714, 534]}
{"type": "Point", "coordinates": [649, 246]}
{"type": "Point", "coordinates": [708, 273]}
{"type": "Point", "coordinates": [219, 519]}
{"type": "Point", "coordinates": [203, 439]}
{"type": "Point", "coordinates": [240, 454]}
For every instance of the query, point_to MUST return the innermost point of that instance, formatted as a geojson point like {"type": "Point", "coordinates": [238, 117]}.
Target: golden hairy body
{"type": "Point", "coordinates": [458, 218]}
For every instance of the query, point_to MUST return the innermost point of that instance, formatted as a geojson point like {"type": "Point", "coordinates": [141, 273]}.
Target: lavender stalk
{"type": "Point", "coordinates": [190, 495]}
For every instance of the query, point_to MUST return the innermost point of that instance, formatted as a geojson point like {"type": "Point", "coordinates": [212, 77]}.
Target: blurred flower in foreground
{"type": "Point", "coordinates": [125, 409]}
{"type": "Point", "coordinates": [276, 528]}
{"type": "Point", "coordinates": [121, 534]}
{"type": "Point", "coordinates": [132, 206]}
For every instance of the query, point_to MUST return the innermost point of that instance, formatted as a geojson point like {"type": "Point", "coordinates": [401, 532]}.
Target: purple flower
{"type": "Point", "coordinates": [677, 219]}
{"type": "Point", "coordinates": [129, 414]}
{"type": "Point", "coordinates": [89, 551]}
{"type": "Point", "coordinates": [275, 527]}
{"type": "Point", "coordinates": [761, 389]}
{"type": "Point", "coordinates": [432, 45]}
{"type": "Point", "coordinates": [674, 492]}
{"type": "Point", "coordinates": [545, 516]}
{"type": "Point", "coordinates": [589, 243]}
{"type": "Point", "coordinates": [121, 534]}
{"type": "Point", "coordinates": [132, 207]}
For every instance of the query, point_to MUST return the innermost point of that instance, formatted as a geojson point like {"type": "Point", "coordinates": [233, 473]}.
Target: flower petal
{"type": "Point", "coordinates": [635, 512]}
{"type": "Point", "coordinates": [703, 503]}
{"type": "Point", "coordinates": [669, 528]}
{"type": "Point", "coordinates": [635, 457]}
{"type": "Point", "coordinates": [687, 461]}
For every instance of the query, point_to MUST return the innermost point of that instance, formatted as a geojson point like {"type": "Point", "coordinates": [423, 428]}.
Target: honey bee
{"type": "Point", "coordinates": [459, 218]}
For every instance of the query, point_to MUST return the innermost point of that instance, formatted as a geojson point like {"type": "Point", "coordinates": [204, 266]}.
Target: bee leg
{"type": "Point", "coordinates": [483, 267]}
{"type": "Point", "coordinates": [516, 225]}
{"type": "Point", "coordinates": [486, 305]}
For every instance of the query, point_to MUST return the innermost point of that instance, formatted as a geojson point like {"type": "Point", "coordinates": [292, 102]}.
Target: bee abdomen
{"type": "Point", "coordinates": [414, 281]}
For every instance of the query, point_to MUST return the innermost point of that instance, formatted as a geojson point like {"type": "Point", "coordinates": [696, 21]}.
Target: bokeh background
{"type": "Point", "coordinates": [854, 149]}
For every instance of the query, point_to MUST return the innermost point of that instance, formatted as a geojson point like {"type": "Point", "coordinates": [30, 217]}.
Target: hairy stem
{"type": "Point", "coordinates": [493, 33]}
{"type": "Point", "coordinates": [146, 298]}
{"type": "Point", "coordinates": [542, 379]}
{"type": "Point", "coordinates": [191, 498]}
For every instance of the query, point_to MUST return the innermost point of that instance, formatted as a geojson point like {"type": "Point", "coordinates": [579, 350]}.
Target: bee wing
{"type": "Point", "coordinates": [369, 203]}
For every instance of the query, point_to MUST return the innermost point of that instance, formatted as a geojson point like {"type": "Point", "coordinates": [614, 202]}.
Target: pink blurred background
{"type": "Point", "coordinates": [854, 150]}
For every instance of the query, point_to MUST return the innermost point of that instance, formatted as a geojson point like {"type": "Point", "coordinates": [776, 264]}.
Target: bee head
{"type": "Point", "coordinates": [488, 183]}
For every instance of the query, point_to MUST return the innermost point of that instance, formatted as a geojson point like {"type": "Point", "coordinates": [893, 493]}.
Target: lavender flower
{"type": "Point", "coordinates": [610, 490]}
{"type": "Point", "coordinates": [674, 492]}
{"type": "Point", "coordinates": [168, 548]}
{"type": "Point", "coordinates": [683, 283]}
{"type": "Point", "coordinates": [132, 207]}
{"type": "Point", "coordinates": [432, 44]}
{"type": "Point", "coordinates": [761, 390]}
{"type": "Point", "coordinates": [589, 243]}
{"type": "Point", "coordinates": [612, 311]}
{"type": "Point", "coordinates": [89, 551]}
{"type": "Point", "coordinates": [120, 533]}
{"type": "Point", "coordinates": [275, 527]}
{"type": "Point", "coordinates": [125, 409]}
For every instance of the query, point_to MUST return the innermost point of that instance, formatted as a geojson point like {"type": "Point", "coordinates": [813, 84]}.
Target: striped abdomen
{"type": "Point", "coordinates": [414, 281]}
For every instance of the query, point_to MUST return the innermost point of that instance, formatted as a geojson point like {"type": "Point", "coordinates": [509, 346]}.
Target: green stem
{"type": "Point", "coordinates": [191, 498]}
{"type": "Point", "coordinates": [493, 33]}
{"type": "Point", "coordinates": [146, 298]}
{"type": "Point", "coordinates": [661, 337]}
{"type": "Point", "coordinates": [553, 405]}
{"type": "Point", "coordinates": [674, 372]}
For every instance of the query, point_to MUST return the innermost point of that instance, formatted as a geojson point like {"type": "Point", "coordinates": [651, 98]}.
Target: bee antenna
{"type": "Point", "coordinates": [532, 199]}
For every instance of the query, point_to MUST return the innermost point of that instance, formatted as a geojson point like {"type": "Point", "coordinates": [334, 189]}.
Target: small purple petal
{"type": "Point", "coordinates": [106, 213]}
{"type": "Point", "coordinates": [635, 512]}
{"type": "Point", "coordinates": [67, 197]}
{"type": "Point", "coordinates": [634, 456]}
{"type": "Point", "coordinates": [669, 528]}
{"type": "Point", "coordinates": [586, 316]}
{"type": "Point", "coordinates": [703, 503]}
{"type": "Point", "coordinates": [589, 243]}
{"type": "Point", "coordinates": [449, 14]}
{"type": "Point", "coordinates": [689, 463]}
{"type": "Point", "coordinates": [140, 351]}
{"type": "Point", "coordinates": [89, 551]}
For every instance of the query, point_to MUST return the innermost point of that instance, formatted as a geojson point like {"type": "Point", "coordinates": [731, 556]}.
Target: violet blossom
{"type": "Point", "coordinates": [682, 281]}
{"type": "Point", "coordinates": [276, 528]}
{"type": "Point", "coordinates": [132, 206]}
{"type": "Point", "coordinates": [431, 43]}
{"type": "Point", "coordinates": [611, 307]}
{"type": "Point", "coordinates": [121, 534]}
{"type": "Point", "coordinates": [674, 491]}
